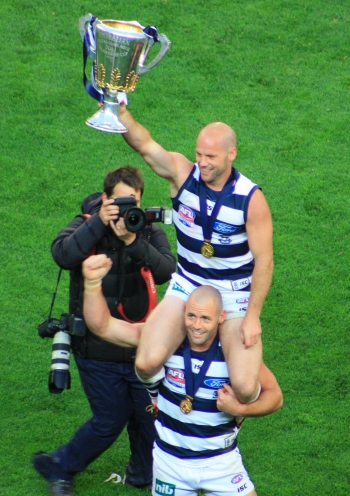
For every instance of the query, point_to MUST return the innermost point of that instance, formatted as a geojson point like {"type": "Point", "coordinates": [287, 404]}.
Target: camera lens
{"type": "Point", "coordinates": [59, 377]}
{"type": "Point", "coordinates": [135, 219]}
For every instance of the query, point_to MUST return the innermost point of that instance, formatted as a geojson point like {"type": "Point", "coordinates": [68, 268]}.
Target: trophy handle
{"type": "Point", "coordinates": [165, 45]}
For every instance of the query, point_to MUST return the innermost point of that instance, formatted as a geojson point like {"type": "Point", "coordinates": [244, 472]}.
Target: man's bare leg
{"type": "Point", "coordinates": [243, 362]}
{"type": "Point", "coordinates": [162, 334]}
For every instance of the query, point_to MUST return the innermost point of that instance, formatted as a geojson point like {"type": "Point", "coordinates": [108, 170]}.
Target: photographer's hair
{"type": "Point", "coordinates": [127, 175]}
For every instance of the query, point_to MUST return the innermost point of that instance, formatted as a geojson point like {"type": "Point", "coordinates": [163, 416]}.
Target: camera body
{"type": "Point", "coordinates": [71, 324]}
{"type": "Point", "coordinates": [136, 219]}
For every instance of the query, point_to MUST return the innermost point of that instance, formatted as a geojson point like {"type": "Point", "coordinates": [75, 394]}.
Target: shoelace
{"type": "Point", "coordinates": [116, 478]}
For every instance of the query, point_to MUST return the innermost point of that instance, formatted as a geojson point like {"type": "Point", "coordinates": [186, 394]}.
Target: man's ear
{"type": "Point", "coordinates": [233, 153]}
{"type": "Point", "coordinates": [104, 197]}
{"type": "Point", "coordinates": [222, 316]}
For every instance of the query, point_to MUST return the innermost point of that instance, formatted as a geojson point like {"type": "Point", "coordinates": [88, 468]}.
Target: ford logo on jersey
{"type": "Point", "coordinates": [223, 228]}
{"type": "Point", "coordinates": [214, 383]}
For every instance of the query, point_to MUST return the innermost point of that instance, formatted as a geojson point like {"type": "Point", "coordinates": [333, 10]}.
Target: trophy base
{"type": "Point", "coordinates": [107, 120]}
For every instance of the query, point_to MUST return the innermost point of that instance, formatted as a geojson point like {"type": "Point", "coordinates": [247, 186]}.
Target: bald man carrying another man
{"type": "Point", "coordinates": [199, 415]}
{"type": "Point", "coordinates": [224, 239]}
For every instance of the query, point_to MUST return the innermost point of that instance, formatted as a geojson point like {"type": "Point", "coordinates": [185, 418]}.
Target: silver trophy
{"type": "Point", "coordinates": [119, 50]}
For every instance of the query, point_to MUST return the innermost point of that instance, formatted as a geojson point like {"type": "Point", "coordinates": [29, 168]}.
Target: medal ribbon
{"type": "Point", "coordinates": [209, 221]}
{"type": "Point", "coordinates": [89, 40]}
{"type": "Point", "coordinates": [193, 381]}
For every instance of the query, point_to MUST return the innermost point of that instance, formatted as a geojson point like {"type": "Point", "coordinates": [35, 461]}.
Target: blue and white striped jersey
{"type": "Point", "coordinates": [205, 431]}
{"type": "Point", "coordinates": [232, 259]}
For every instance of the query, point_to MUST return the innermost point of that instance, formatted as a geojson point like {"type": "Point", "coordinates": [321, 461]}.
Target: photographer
{"type": "Point", "coordinates": [115, 395]}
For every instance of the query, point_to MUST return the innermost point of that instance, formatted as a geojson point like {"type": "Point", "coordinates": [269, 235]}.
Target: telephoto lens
{"type": "Point", "coordinates": [59, 378]}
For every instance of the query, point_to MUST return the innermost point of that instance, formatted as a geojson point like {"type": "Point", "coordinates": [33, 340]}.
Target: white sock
{"type": "Point", "coordinates": [152, 384]}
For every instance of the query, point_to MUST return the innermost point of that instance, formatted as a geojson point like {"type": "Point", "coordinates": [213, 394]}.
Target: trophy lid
{"type": "Point", "coordinates": [125, 26]}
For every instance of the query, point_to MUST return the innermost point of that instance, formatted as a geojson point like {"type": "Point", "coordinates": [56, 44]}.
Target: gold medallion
{"type": "Point", "coordinates": [186, 404]}
{"type": "Point", "coordinates": [207, 250]}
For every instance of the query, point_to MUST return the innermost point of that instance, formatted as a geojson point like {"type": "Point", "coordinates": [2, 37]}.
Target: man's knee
{"type": "Point", "coordinates": [147, 364]}
{"type": "Point", "coordinates": [246, 389]}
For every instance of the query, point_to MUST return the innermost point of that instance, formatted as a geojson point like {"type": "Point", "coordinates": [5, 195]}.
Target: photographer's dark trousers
{"type": "Point", "coordinates": [116, 399]}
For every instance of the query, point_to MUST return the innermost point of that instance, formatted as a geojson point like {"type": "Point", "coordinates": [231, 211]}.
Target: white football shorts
{"type": "Point", "coordinates": [235, 302]}
{"type": "Point", "coordinates": [223, 475]}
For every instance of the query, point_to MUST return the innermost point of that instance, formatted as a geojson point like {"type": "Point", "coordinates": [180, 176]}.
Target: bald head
{"type": "Point", "coordinates": [220, 132]}
{"type": "Point", "coordinates": [205, 294]}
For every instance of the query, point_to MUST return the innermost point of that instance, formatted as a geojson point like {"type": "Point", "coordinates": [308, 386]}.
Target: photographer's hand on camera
{"type": "Point", "coordinates": [109, 215]}
{"type": "Point", "coordinates": [120, 230]}
{"type": "Point", "coordinates": [109, 212]}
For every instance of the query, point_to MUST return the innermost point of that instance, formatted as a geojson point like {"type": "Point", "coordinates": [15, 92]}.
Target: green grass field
{"type": "Point", "coordinates": [278, 72]}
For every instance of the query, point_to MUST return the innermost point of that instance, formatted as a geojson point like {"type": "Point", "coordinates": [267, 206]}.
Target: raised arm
{"type": "Point", "coordinates": [270, 399]}
{"type": "Point", "coordinates": [170, 165]}
{"type": "Point", "coordinates": [259, 231]}
{"type": "Point", "coordinates": [96, 311]}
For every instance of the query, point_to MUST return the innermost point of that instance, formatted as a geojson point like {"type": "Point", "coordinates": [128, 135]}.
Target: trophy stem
{"type": "Point", "coordinates": [107, 117]}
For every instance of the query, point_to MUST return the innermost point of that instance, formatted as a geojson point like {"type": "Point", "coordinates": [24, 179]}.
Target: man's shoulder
{"type": "Point", "coordinates": [242, 183]}
{"type": "Point", "coordinates": [92, 203]}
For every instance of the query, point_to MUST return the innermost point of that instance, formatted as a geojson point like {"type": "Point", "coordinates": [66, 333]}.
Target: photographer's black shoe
{"type": "Point", "coordinates": [46, 465]}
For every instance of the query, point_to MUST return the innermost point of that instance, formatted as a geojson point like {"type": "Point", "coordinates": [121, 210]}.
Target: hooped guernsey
{"type": "Point", "coordinates": [205, 431]}
{"type": "Point", "coordinates": [232, 265]}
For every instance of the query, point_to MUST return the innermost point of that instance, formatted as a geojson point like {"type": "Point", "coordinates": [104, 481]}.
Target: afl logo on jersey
{"type": "Point", "coordinates": [186, 216]}
{"type": "Point", "coordinates": [176, 377]}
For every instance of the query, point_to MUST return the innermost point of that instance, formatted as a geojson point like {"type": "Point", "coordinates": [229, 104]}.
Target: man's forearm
{"type": "Point", "coordinates": [270, 399]}
{"type": "Point", "coordinates": [260, 286]}
{"type": "Point", "coordinates": [96, 311]}
{"type": "Point", "coordinates": [268, 402]}
{"type": "Point", "coordinates": [137, 135]}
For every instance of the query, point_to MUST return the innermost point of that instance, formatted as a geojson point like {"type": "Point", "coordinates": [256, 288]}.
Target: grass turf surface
{"type": "Point", "coordinates": [278, 73]}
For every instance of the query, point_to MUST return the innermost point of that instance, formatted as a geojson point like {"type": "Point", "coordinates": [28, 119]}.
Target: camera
{"type": "Point", "coordinates": [61, 330]}
{"type": "Point", "coordinates": [71, 324]}
{"type": "Point", "coordinates": [136, 219]}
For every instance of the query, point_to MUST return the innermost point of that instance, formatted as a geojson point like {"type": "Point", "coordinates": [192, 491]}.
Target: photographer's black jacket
{"type": "Point", "coordinates": [75, 243]}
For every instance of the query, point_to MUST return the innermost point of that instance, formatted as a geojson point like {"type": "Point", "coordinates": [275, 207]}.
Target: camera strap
{"type": "Point", "coordinates": [55, 293]}
{"type": "Point", "coordinates": [147, 276]}
{"type": "Point", "coordinates": [151, 288]}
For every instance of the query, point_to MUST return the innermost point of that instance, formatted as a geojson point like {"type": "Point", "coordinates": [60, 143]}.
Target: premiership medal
{"type": "Point", "coordinates": [207, 249]}
{"type": "Point", "coordinates": [186, 404]}
{"type": "Point", "coordinates": [193, 381]}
